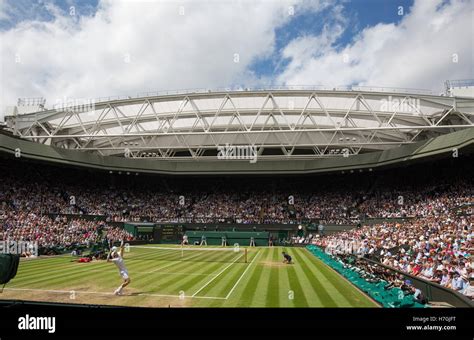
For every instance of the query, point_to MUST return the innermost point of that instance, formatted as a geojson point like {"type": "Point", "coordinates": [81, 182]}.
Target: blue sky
{"type": "Point", "coordinates": [26, 10]}
{"type": "Point", "coordinates": [112, 47]}
{"type": "Point", "coordinates": [360, 13]}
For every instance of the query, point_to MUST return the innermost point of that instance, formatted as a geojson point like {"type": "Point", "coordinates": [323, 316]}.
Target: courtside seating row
{"type": "Point", "coordinates": [390, 298]}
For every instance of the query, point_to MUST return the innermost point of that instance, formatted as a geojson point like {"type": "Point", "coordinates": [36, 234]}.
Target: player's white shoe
{"type": "Point", "coordinates": [118, 291]}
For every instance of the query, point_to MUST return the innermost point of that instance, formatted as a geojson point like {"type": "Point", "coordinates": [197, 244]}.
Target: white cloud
{"type": "Point", "coordinates": [130, 47]}
{"type": "Point", "coordinates": [416, 53]}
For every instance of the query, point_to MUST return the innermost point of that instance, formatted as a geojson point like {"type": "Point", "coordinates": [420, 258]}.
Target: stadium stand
{"type": "Point", "coordinates": [432, 241]}
{"type": "Point", "coordinates": [416, 219]}
{"type": "Point", "coordinates": [30, 192]}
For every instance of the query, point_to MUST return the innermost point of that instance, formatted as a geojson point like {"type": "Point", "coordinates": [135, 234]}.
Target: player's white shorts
{"type": "Point", "coordinates": [124, 274]}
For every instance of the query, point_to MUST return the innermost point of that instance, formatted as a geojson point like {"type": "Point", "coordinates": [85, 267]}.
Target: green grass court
{"type": "Point", "coordinates": [162, 278]}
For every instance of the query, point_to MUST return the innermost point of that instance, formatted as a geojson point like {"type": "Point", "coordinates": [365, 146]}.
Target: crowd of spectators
{"type": "Point", "coordinates": [211, 201]}
{"type": "Point", "coordinates": [436, 243]}
{"type": "Point", "coordinates": [59, 232]}
{"type": "Point", "coordinates": [437, 226]}
{"type": "Point", "coordinates": [27, 208]}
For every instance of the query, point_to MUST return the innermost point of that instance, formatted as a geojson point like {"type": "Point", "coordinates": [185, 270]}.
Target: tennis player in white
{"type": "Point", "coordinates": [116, 256]}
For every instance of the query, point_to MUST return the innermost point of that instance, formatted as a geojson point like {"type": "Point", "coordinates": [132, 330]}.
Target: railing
{"type": "Point", "coordinates": [270, 88]}
{"type": "Point", "coordinates": [261, 88]}
{"type": "Point", "coordinates": [433, 291]}
{"type": "Point", "coordinates": [460, 82]}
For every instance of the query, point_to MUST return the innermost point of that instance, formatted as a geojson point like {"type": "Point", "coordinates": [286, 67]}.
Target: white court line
{"type": "Point", "coordinates": [105, 293]}
{"type": "Point", "coordinates": [241, 276]}
{"type": "Point", "coordinates": [223, 270]}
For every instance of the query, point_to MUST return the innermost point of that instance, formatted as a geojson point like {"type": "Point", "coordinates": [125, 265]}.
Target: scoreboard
{"type": "Point", "coordinates": [168, 233]}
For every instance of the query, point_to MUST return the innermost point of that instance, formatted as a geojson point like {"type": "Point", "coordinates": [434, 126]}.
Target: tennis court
{"type": "Point", "coordinates": [197, 277]}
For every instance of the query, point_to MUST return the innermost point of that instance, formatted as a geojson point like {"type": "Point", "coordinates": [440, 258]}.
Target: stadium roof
{"type": "Point", "coordinates": [282, 123]}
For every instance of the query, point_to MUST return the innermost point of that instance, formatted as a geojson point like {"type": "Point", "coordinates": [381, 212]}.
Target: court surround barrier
{"type": "Point", "coordinates": [390, 298]}
{"type": "Point", "coordinates": [433, 291]}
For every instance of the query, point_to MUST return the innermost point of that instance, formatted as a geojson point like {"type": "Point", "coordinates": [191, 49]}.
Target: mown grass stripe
{"type": "Point", "coordinates": [236, 293]}
{"type": "Point", "coordinates": [249, 291]}
{"type": "Point", "coordinates": [298, 294]}
{"type": "Point", "coordinates": [260, 295]}
{"type": "Point", "coordinates": [267, 281]}
{"type": "Point", "coordinates": [273, 293]}
{"type": "Point", "coordinates": [70, 265]}
{"type": "Point", "coordinates": [224, 283]}
{"type": "Point", "coordinates": [217, 276]}
{"type": "Point", "coordinates": [328, 280]}
{"type": "Point", "coordinates": [208, 266]}
{"type": "Point", "coordinates": [26, 274]}
{"type": "Point", "coordinates": [302, 284]}
{"type": "Point", "coordinates": [41, 262]}
{"type": "Point", "coordinates": [150, 281]}
{"type": "Point", "coordinates": [70, 273]}
{"type": "Point", "coordinates": [354, 297]}
{"type": "Point", "coordinates": [319, 288]}
{"type": "Point", "coordinates": [49, 276]}
{"type": "Point", "coordinates": [65, 260]}
{"type": "Point", "coordinates": [190, 284]}
{"type": "Point", "coordinates": [64, 264]}
{"type": "Point", "coordinates": [105, 279]}
{"type": "Point", "coordinates": [174, 284]}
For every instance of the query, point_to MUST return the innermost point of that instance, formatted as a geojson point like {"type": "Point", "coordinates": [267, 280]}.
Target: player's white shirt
{"type": "Point", "coordinates": [121, 266]}
{"type": "Point", "coordinates": [119, 262]}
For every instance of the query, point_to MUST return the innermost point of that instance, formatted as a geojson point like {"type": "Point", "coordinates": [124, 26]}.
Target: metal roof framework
{"type": "Point", "coordinates": [280, 124]}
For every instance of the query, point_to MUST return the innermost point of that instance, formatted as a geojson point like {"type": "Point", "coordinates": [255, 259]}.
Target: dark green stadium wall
{"type": "Point", "coordinates": [241, 238]}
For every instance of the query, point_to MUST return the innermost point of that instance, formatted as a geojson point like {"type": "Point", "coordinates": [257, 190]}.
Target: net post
{"type": "Point", "coordinates": [245, 254]}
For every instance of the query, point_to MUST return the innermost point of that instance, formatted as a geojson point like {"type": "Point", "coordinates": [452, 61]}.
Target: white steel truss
{"type": "Point", "coordinates": [280, 124]}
